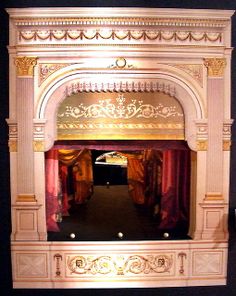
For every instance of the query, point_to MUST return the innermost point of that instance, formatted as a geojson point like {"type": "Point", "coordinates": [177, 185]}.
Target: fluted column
{"type": "Point", "coordinates": [26, 207]}
{"type": "Point", "coordinates": [25, 97]}
{"type": "Point", "coordinates": [214, 206]}
{"type": "Point", "coordinates": [215, 98]}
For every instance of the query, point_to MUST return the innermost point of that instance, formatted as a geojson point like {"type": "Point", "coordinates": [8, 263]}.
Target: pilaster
{"type": "Point", "coordinates": [214, 205]}
{"type": "Point", "coordinates": [25, 209]}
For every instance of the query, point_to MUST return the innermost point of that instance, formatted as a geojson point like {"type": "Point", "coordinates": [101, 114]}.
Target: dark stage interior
{"type": "Point", "coordinates": [110, 213]}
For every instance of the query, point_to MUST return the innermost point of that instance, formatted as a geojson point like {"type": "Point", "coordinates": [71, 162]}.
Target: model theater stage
{"type": "Point", "coordinates": [119, 140]}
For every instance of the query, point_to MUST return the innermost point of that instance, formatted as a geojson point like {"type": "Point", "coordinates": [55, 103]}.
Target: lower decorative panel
{"type": "Point", "coordinates": [118, 264]}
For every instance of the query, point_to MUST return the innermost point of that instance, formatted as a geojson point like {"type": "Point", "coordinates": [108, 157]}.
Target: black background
{"type": "Point", "coordinates": [5, 226]}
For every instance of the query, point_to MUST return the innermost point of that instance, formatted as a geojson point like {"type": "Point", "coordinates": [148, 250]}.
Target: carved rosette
{"type": "Point", "coordinates": [39, 130]}
{"type": "Point", "coordinates": [13, 134]}
{"type": "Point", "coordinates": [25, 66]}
{"type": "Point", "coordinates": [215, 66]}
{"type": "Point", "coordinates": [202, 135]}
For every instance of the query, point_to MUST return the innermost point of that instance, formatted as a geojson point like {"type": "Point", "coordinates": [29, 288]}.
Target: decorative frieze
{"type": "Point", "coordinates": [50, 35]}
{"type": "Point", "coordinates": [120, 108]}
{"type": "Point", "coordinates": [215, 66]}
{"type": "Point", "coordinates": [120, 264]}
{"type": "Point", "coordinates": [25, 66]}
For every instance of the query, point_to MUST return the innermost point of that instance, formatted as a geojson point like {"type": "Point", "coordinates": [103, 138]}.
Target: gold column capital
{"type": "Point", "coordinates": [25, 66]}
{"type": "Point", "coordinates": [202, 145]}
{"type": "Point", "coordinates": [38, 146]}
{"type": "Point", "coordinates": [12, 144]}
{"type": "Point", "coordinates": [215, 66]}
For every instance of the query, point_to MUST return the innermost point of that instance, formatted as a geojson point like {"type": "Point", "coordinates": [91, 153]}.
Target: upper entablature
{"type": "Point", "coordinates": [62, 26]}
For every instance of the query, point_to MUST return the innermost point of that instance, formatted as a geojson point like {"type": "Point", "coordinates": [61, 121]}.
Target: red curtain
{"type": "Point", "coordinates": [175, 189]}
{"type": "Point", "coordinates": [83, 176]}
{"type": "Point", "coordinates": [52, 189]}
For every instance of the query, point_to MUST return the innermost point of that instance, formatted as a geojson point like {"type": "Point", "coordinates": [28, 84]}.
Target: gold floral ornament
{"type": "Point", "coordinates": [25, 66]}
{"type": "Point", "coordinates": [215, 66]}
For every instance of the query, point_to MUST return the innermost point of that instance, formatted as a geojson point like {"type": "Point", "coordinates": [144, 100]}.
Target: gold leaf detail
{"type": "Point", "coordinates": [25, 66]}
{"type": "Point", "coordinates": [215, 66]}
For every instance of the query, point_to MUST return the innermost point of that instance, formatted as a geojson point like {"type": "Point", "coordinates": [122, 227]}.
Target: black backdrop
{"type": "Point", "coordinates": [5, 226]}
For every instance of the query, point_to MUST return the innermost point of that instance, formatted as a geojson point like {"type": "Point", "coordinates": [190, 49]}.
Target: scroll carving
{"type": "Point", "coordinates": [135, 264]}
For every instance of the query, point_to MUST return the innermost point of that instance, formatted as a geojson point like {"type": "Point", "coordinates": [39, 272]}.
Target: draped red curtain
{"type": "Point", "coordinates": [155, 178]}
{"type": "Point", "coordinates": [56, 166]}
{"type": "Point", "coordinates": [52, 189]}
{"type": "Point", "coordinates": [135, 175]}
{"type": "Point", "coordinates": [174, 202]}
{"type": "Point", "coordinates": [83, 176]}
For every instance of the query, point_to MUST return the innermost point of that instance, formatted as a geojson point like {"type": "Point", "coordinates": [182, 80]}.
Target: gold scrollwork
{"type": "Point", "coordinates": [215, 66]}
{"type": "Point", "coordinates": [135, 264]}
{"type": "Point", "coordinates": [25, 66]}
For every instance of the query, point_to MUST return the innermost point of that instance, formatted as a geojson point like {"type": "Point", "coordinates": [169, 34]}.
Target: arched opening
{"type": "Point", "coordinates": [154, 185]}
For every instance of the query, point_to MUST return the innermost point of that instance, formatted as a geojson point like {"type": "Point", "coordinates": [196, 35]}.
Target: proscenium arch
{"type": "Point", "coordinates": [169, 83]}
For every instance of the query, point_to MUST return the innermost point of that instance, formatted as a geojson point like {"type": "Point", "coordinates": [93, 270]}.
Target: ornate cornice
{"type": "Point", "coordinates": [215, 66]}
{"type": "Point", "coordinates": [123, 21]}
{"type": "Point", "coordinates": [25, 66]}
